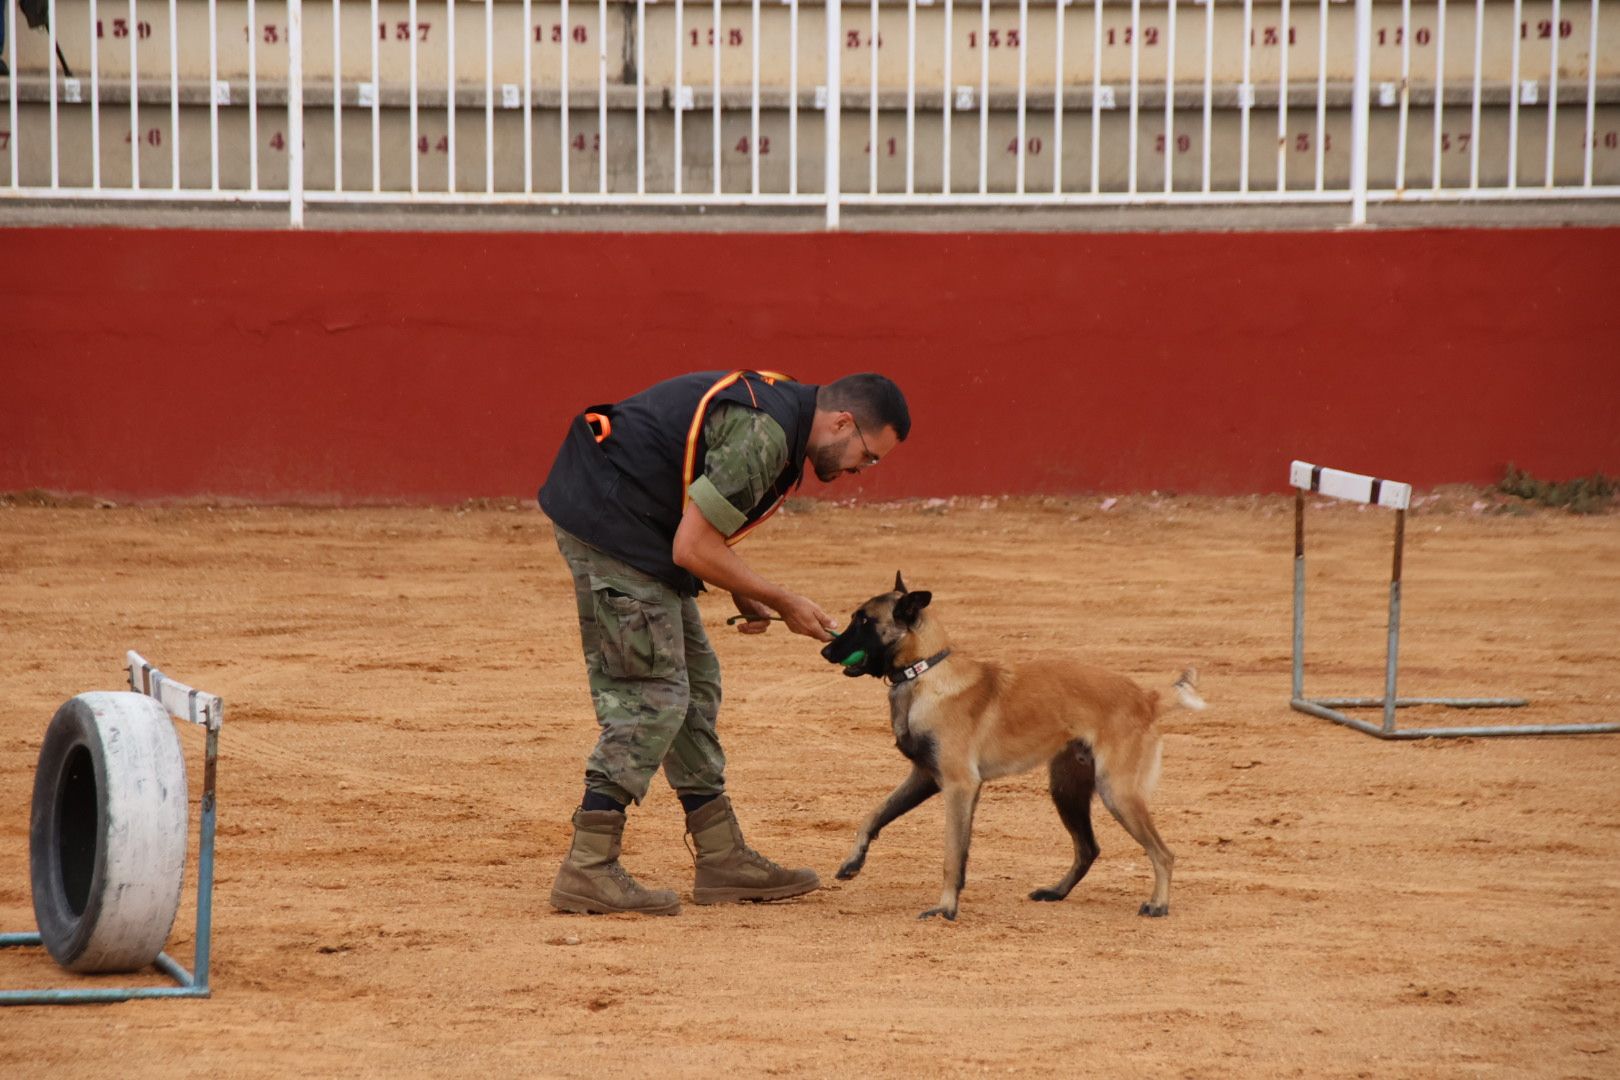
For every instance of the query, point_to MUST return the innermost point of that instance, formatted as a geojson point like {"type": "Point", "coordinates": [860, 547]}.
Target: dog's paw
{"type": "Point", "coordinates": [949, 914]}
{"type": "Point", "coordinates": [1049, 895]}
{"type": "Point", "coordinates": [850, 869]}
{"type": "Point", "coordinates": [1154, 911]}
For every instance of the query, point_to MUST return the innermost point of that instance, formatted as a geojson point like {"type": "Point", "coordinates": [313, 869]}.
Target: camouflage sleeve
{"type": "Point", "coordinates": [747, 452]}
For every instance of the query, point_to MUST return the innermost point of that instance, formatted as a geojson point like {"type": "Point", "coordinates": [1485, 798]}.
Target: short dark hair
{"type": "Point", "coordinates": [873, 399]}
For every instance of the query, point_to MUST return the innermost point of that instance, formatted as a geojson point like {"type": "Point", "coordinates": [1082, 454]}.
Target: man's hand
{"type": "Point", "coordinates": [701, 549]}
{"type": "Point", "coordinates": [804, 616]}
{"type": "Point", "coordinates": [759, 615]}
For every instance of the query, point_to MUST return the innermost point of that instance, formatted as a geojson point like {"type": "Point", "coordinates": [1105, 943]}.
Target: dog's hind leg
{"type": "Point", "coordinates": [961, 803]}
{"type": "Point", "coordinates": [1072, 780]}
{"type": "Point", "coordinates": [1131, 811]}
{"type": "Point", "coordinates": [915, 790]}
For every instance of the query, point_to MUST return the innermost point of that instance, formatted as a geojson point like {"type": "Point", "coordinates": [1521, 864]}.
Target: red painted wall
{"type": "Point", "coordinates": [368, 366]}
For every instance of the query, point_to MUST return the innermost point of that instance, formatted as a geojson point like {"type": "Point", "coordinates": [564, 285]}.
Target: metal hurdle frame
{"type": "Point", "coordinates": [1353, 487]}
{"type": "Point", "coordinates": [183, 703]}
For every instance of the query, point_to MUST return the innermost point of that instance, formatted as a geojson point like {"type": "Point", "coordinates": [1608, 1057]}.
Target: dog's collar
{"type": "Point", "coordinates": [911, 671]}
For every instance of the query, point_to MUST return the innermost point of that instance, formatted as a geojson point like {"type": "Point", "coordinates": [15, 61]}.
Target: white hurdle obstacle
{"type": "Point", "coordinates": [1353, 487]}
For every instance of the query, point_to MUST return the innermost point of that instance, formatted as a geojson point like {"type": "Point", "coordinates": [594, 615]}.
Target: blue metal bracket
{"type": "Point", "coordinates": [183, 703]}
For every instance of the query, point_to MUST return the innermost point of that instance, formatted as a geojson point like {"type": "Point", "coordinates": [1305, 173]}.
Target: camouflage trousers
{"type": "Point", "coordinates": [655, 680]}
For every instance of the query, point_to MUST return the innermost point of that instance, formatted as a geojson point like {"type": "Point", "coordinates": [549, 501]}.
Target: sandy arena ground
{"type": "Point", "coordinates": [407, 718]}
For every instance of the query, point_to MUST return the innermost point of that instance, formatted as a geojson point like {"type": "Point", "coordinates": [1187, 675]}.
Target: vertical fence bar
{"type": "Point", "coordinates": [1245, 95]}
{"type": "Point", "coordinates": [213, 93]}
{"type": "Point", "coordinates": [872, 103]}
{"type": "Point", "coordinates": [1209, 83]}
{"type": "Point", "coordinates": [253, 35]}
{"type": "Point", "coordinates": [911, 97]}
{"type": "Point", "coordinates": [410, 35]}
{"type": "Point", "coordinates": [50, 41]}
{"type": "Point", "coordinates": [641, 96]}
{"type": "Point", "coordinates": [1439, 89]}
{"type": "Point", "coordinates": [567, 35]}
{"type": "Point", "coordinates": [1513, 99]}
{"type": "Point", "coordinates": [832, 117]}
{"type": "Point", "coordinates": [714, 40]}
{"type": "Point", "coordinates": [753, 143]}
{"type": "Point", "coordinates": [1479, 74]}
{"type": "Point", "coordinates": [489, 95]}
{"type": "Point", "coordinates": [601, 98]}
{"type": "Point", "coordinates": [450, 95]}
{"type": "Point", "coordinates": [947, 103]}
{"type": "Point", "coordinates": [1552, 88]}
{"type": "Point", "coordinates": [1096, 95]}
{"type": "Point", "coordinates": [1284, 40]}
{"type": "Point", "coordinates": [1170, 101]}
{"type": "Point", "coordinates": [528, 96]}
{"type": "Point", "coordinates": [174, 92]}
{"type": "Point", "coordinates": [11, 91]}
{"type": "Point", "coordinates": [1321, 96]}
{"type": "Point", "coordinates": [1591, 100]}
{"type": "Point", "coordinates": [680, 86]}
{"type": "Point", "coordinates": [1390, 658]}
{"type": "Point", "coordinates": [337, 96]}
{"type": "Point", "coordinates": [1135, 34]}
{"type": "Point", "coordinates": [374, 32]}
{"type": "Point", "coordinates": [135, 133]}
{"type": "Point", "coordinates": [1060, 13]}
{"type": "Point", "coordinates": [1023, 89]}
{"type": "Point", "coordinates": [95, 97]}
{"type": "Point", "coordinates": [793, 97]}
{"type": "Point", "coordinates": [1406, 95]}
{"type": "Point", "coordinates": [984, 96]}
{"type": "Point", "coordinates": [295, 111]}
{"type": "Point", "coordinates": [1359, 121]}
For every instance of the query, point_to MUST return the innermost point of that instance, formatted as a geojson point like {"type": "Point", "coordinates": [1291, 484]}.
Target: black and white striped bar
{"type": "Point", "coordinates": [182, 701]}
{"type": "Point", "coordinates": [1352, 487]}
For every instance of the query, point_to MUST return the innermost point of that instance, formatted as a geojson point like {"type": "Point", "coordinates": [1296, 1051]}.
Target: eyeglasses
{"type": "Point", "coordinates": [870, 459]}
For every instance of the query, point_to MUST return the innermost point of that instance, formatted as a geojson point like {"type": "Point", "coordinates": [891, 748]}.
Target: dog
{"type": "Point", "coordinates": [962, 722]}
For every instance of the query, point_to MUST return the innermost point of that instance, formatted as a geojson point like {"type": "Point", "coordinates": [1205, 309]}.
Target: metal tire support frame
{"type": "Point", "coordinates": [1354, 487]}
{"type": "Point", "coordinates": [183, 703]}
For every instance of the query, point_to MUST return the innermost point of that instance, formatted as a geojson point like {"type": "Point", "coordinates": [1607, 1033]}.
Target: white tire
{"type": "Point", "coordinates": [107, 836]}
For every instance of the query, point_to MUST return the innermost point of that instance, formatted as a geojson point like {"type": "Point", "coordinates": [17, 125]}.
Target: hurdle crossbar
{"type": "Point", "coordinates": [1373, 491]}
{"type": "Point", "coordinates": [195, 706]}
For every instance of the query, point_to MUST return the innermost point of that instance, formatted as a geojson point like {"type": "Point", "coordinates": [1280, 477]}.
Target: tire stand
{"type": "Point", "coordinates": [183, 703]}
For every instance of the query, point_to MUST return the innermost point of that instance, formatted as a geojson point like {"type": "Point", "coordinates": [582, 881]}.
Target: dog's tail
{"type": "Point", "coordinates": [1186, 688]}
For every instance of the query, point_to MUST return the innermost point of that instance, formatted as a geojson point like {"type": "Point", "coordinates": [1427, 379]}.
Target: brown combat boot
{"type": "Point", "coordinates": [591, 879]}
{"type": "Point", "coordinates": [729, 870]}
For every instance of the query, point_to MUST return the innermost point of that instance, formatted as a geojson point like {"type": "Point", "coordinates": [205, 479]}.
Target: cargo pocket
{"type": "Point", "coordinates": [640, 634]}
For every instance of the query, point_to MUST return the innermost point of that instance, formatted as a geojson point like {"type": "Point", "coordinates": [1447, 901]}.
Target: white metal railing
{"type": "Point", "coordinates": [975, 103]}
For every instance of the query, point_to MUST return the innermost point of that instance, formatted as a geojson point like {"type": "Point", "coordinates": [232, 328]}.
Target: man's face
{"type": "Point", "coordinates": [851, 449]}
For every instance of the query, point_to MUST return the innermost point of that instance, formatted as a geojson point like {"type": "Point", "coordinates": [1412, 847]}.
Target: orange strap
{"type": "Point", "coordinates": [687, 473]}
{"type": "Point", "coordinates": [600, 425]}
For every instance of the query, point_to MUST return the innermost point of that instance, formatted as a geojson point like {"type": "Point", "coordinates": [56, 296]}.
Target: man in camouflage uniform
{"type": "Point", "coordinates": [647, 496]}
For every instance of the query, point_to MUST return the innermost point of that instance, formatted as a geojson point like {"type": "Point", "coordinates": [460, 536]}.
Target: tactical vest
{"type": "Point", "coordinates": [619, 482]}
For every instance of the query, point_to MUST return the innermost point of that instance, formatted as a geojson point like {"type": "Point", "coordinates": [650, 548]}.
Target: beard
{"type": "Point", "coordinates": [826, 460]}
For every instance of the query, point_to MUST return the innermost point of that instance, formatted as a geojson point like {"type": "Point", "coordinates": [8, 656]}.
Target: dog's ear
{"type": "Point", "coordinates": [899, 583]}
{"type": "Point", "coordinates": [909, 607]}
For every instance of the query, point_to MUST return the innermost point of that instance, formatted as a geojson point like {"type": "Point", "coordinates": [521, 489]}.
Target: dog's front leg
{"type": "Point", "coordinates": [961, 800]}
{"type": "Point", "coordinates": [913, 791]}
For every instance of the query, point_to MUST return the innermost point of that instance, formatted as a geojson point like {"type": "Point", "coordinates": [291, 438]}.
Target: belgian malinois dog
{"type": "Point", "coordinates": [963, 721]}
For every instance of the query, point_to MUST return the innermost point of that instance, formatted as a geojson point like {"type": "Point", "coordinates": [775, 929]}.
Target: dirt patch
{"type": "Point", "coordinates": [407, 719]}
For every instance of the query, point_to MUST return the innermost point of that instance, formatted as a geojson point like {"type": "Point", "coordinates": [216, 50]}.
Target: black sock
{"type": "Point", "coordinates": [689, 803]}
{"type": "Point", "coordinates": [596, 801]}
